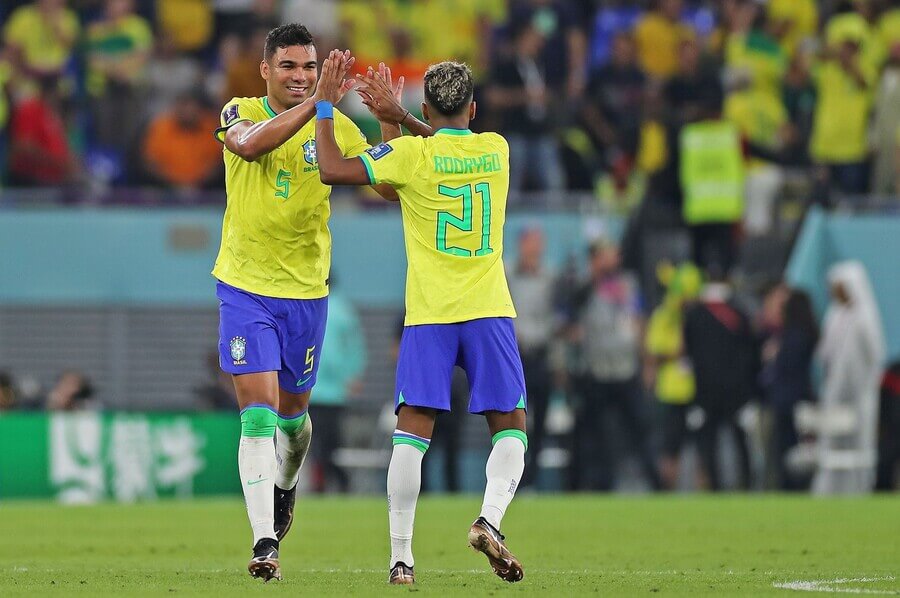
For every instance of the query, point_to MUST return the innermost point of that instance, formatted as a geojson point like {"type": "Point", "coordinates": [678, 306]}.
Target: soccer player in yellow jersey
{"type": "Point", "coordinates": [452, 188]}
{"type": "Point", "coordinates": [272, 272]}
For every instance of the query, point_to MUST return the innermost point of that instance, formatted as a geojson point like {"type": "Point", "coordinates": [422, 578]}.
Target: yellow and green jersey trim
{"type": "Point", "coordinates": [219, 133]}
{"type": "Point", "coordinates": [367, 159]}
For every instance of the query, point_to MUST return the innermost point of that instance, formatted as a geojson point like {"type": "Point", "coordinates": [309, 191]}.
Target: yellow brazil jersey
{"type": "Point", "coordinates": [452, 189]}
{"type": "Point", "coordinates": [275, 237]}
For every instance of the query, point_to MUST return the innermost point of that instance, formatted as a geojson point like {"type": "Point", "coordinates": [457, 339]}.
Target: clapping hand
{"type": "Point", "coordinates": [380, 96]}
{"type": "Point", "coordinates": [333, 85]}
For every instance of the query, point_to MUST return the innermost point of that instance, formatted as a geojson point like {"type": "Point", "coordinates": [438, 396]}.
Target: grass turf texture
{"type": "Point", "coordinates": [569, 545]}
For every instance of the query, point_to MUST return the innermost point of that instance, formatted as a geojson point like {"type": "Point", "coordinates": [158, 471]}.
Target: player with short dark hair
{"type": "Point", "coordinates": [452, 188]}
{"type": "Point", "coordinates": [272, 272]}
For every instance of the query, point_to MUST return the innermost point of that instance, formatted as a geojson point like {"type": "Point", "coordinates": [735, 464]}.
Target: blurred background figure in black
{"type": "Point", "coordinates": [606, 330]}
{"type": "Point", "coordinates": [720, 343]}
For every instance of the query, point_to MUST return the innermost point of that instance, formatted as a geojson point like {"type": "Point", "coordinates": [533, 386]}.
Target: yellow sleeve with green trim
{"type": "Point", "coordinates": [351, 141]}
{"type": "Point", "coordinates": [394, 162]}
{"type": "Point", "coordinates": [238, 110]}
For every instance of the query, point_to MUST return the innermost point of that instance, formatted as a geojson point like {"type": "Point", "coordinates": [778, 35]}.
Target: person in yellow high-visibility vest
{"type": "Point", "coordinates": [712, 183]}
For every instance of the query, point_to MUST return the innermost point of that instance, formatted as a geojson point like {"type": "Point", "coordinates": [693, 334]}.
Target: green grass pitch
{"type": "Point", "coordinates": [569, 546]}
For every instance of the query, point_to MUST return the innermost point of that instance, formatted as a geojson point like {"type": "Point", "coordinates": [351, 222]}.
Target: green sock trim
{"type": "Point", "coordinates": [290, 425]}
{"type": "Point", "coordinates": [511, 433]}
{"type": "Point", "coordinates": [411, 442]}
{"type": "Point", "coordinates": [258, 422]}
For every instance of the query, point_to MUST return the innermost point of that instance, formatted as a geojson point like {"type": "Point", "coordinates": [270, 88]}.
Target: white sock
{"type": "Point", "coordinates": [404, 481]}
{"type": "Point", "coordinates": [256, 464]}
{"type": "Point", "coordinates": [504, 470]}
{"type": "Point", "coordinates": [291, 451]}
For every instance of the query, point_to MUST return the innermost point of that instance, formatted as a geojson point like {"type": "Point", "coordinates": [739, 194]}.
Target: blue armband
{"type": "Point", "coordinates": [324, 109]}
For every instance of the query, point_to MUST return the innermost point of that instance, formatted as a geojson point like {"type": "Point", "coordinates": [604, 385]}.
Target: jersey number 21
{"type": "Point", "coordinates": [465, 223]}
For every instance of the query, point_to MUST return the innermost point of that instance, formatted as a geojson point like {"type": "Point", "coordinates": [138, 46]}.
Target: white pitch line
{"type": "Point", "coordinates": [828, 586]}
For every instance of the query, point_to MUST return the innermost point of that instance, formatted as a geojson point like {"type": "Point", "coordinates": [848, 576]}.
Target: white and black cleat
{"type": "Point", "coordinates": [264, 563]}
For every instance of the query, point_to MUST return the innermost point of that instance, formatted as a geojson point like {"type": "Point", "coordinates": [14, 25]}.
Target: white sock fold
{"type": "Point", "coordinates": [404, 480]}
{"type": "Point", "coordinates": [256, 464]}
{"type": "Point", "coordinates": [504, 470]}
{"type": "Point", "coordinates": [291, 451]}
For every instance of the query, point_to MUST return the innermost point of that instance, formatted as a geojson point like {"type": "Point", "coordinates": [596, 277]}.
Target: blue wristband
{"type": "Point", "coordinates": [324, 109]}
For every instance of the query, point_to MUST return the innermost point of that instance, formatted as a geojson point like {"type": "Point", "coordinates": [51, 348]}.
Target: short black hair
{"type": "Point", "coordinates": [292, 34]}
{"type": "Point", "coordinates": [449, 87]}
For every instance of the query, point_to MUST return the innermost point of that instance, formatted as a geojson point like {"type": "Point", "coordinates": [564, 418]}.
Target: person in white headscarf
{"type": "Point", "coordinates": [852, 351]}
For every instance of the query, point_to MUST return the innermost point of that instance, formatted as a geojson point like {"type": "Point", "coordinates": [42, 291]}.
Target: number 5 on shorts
{"type": "Point", "coordinates": [310, 359]}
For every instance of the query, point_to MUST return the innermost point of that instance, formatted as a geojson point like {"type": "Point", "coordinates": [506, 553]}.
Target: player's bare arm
{"type": "Point", "coordinates": [381, 98]}
{"type": "Point", "coordinates": [334, 169]}
{"type": "Point", "coordinates": [291, 75]}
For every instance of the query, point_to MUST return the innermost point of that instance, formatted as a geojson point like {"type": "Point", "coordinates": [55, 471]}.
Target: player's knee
{"type": "Point", "coordinates": [258, 422]}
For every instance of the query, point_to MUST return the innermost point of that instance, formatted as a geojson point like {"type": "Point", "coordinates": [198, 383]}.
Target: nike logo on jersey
{"type": "Point", "coordinates": [304, 381]}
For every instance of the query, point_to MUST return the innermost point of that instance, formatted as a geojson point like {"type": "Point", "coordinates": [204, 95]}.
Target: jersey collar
{"type": "Point", "coordinates": [452, 131]}
{"type": "Point", "coordinates": [265, 102]}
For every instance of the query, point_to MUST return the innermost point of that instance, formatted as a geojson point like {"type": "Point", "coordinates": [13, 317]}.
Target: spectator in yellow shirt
{"type": "Point", "coordinates": [658, 35]}
{"type": "Point", "coordinates": [795, 22]}
{"type": "Point", "coordinates": [752, 54]}
{"type": "Point", "coordinates": [188, 23]}
{"type": "Point", "coordinates": [845, 83]}
{"type": "Point", "coordinates": [118, 46]}
{"type": "Point", "coordinates": [365, 27]}
{"type": "Point", "coordinates": [42, 37]}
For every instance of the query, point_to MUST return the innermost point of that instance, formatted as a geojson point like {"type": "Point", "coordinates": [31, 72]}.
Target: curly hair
{"type": "Point", "coordinates": [292, 34]}
{"type": "Point", "coordinates": [449, 87]}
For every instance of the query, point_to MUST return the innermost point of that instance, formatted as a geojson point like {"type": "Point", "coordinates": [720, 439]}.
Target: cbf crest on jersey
{"type": "Point", "coordinates": [238, 350]}
{"type": "Point", "coordinates": [309, 152]}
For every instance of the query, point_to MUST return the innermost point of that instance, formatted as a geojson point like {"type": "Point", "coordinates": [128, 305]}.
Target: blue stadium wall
{"type": "Point", "coordinates": [163, 257]}
{"type": "Point", "coordinates": [826, 239]}
{"type": "Point", "coordinates": [154, 257]}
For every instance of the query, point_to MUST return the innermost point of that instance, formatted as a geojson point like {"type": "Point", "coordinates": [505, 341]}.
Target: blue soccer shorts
{"type": "Point", "coordinates": [486, 349]}
{"type": "Point", "coordinates": [265, 334]}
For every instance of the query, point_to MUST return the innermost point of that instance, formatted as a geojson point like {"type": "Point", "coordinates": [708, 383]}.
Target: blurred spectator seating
{"type": "Point", "coordinates": [179, 151]}
{"type": "Point", "coordinates": [39, 150]}
{"type": "Point", "coordinates": [41, 37]}
{"type": "Point", "coordinates": [519, 92]}
{"type": "Point", "coordinates": [118, 47]}
{"type": "Point", "coordinates": [187, 25]}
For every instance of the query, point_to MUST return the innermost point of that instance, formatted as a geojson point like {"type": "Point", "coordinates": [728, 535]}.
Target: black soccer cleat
{"type": "Point", "coordinates": [401, 575]}
{"type": "Point", "coordinates": [485, 539]}
{"type": "Point", "coordinates": [264, 563]}
{"type": "Point", "coordinates": [284, 510]}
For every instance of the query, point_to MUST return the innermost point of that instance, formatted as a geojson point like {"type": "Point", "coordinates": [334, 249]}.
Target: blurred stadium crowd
{"type": "Point", "coordinates": [615, 106]}
{"type": "Point", "coordinates": [125, 91]}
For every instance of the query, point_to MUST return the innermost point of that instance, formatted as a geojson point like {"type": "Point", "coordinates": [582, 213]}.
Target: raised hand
{"type": "Point", "coordinates": [380, 96]}
{"type": "Point", "coordinates": [333, 85]}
